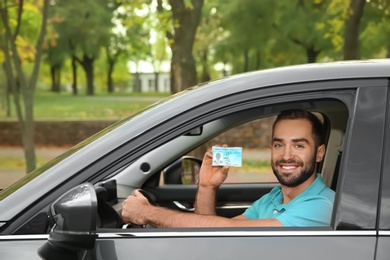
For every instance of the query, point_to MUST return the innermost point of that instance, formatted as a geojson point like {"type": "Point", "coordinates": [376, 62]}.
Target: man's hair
{"type": "Point", "coordinates": [317, 127]}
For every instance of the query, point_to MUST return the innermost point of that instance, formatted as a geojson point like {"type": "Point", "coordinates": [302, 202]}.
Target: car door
{"type": "Point", "coordinates": [352, 234]}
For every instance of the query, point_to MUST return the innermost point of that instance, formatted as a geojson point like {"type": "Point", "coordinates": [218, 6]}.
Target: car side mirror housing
{"type": "Point", "coordinates": [74, 216]}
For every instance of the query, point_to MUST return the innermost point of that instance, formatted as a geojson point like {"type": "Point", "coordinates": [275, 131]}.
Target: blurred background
{"type": "Point", "coordinates": [69, 68]}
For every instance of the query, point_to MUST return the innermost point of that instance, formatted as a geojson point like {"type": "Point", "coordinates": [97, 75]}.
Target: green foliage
{"type": "Point", "coordinates": [375, 33]}
{"type": "Point", "coordinates": [85, 29]}
{"type": "Point", "coordinates": [239, 35]}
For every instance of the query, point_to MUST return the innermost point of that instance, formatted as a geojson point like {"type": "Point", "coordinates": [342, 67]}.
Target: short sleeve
{"type": "Point", "coordinates": [314, 211]}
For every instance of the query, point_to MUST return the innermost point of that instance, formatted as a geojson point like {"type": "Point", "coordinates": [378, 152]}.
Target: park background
{"type": "Point", "coordinates": [69, 62]}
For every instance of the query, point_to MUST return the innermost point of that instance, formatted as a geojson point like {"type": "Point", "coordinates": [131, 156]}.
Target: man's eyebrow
{"type": "Point", "coordinates": [296, 140]}
{"type": "Point", "coordinates": [277, 139]}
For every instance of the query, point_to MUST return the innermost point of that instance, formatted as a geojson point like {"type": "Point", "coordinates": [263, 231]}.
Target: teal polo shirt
{"type": "Point", "coordinates": [313, 207]}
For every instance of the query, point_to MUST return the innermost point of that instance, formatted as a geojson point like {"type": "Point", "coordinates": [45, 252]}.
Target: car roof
{"type": "Point", "coordinates": [312, 72]}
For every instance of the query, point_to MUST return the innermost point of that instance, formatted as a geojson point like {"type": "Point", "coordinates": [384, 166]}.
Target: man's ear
{"type": "Point", "coordinates": [320, 153]}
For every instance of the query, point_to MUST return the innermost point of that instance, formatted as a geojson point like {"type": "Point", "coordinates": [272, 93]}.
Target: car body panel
{"type": "Point", "coordinates": [215, 244]}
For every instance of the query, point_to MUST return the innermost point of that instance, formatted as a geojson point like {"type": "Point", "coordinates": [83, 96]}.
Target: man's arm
{"type": "Point", "coordinates": [137, 210]}
{"type": "Point", "coordinates": [210, 178]}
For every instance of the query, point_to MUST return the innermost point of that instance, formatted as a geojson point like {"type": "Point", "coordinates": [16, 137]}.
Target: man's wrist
{"type": "Point", "coordinates": [208, 188]}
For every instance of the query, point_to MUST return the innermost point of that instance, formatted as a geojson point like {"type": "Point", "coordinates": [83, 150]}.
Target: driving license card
{"type": "Point", "coordinates": [227, 156]}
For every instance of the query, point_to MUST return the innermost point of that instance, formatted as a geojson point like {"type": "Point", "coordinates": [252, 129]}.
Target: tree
{"type": "Point", "coordinates": [85, 30]}
{"type": "Point", "coordinates": [374, 37]}
{"type": "Point", "coordinates": [243, 40]}
{"type": "Point", "coordinates": [57, 51]}
{"type": "Point", "coordinates": [18, 52]}
{"type": "Point", "coordinates": [302, 22]}
{"type": "Point", "coordinates": [185, 15]}
{"type": "Point", "coordinates": [129, 39]}
{"type": "Point", "coordinates": [275, 33]}
{"type": "Point", "coordinates": [207, 37]}
{"type": "Point", "coordinates": [352, 22]}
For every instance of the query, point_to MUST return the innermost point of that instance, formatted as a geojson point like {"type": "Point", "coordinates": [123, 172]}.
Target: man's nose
{"type": "Point", "coordinates": [288, 153]}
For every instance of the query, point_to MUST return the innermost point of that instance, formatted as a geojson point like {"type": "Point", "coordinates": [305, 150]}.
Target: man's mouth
{"type": "Point", "coordinates": [289, 167]}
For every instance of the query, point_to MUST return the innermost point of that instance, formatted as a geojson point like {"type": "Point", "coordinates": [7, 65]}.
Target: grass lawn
{"type": "Point", "coordinates": [53, 106]}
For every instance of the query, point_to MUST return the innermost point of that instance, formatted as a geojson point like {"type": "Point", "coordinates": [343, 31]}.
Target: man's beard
{"type": "Point", "coordinates": [289, 181]}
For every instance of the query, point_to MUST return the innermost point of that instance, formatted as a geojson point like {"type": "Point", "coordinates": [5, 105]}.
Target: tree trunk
{"type": "Point", "coordinates": [351, 36]}
{"type": "Point", "coordinates": [87, 64]}
{"type": "Point", "coordinates": [58, 76]}
{"type": "Point", "coordinates": [137, 82]}
{"type": "Point", "coordinates": [7, 94]}
{"type": "Point", "coordinates": [55, 78]}
{"type": "Point", "coordinates": [29, 131]}
{"type": "Point", "coordinates": [156, 81]}
{"type": "Point", "coordinates": [388, 49]}
{"type": "Point", "coordinates": [7, 101]}
{"type": "Point", "coordinates": [311, 54]}
{"type": "Point", "coordinates": [13, 64]}
{"type": "Point", "coordinates": [205, 68]}
{"type": "Point", "coordinates": [74, 73]}
{"type": "Point", "coordinates": [183, 70]}
{"type": "Point", "coordinates": [246, 60]}
{"type": "Point", "coordinates": [258, 60]}
{"type": "Point", "coordinates": [110, 81]}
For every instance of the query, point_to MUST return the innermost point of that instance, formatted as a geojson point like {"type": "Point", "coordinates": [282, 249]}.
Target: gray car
{"type": "Point", "coordinates": [70, 208]}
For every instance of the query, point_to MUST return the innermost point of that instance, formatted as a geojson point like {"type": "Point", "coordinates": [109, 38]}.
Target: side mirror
{"type": "Point", "coordinates": [74, 216]}
{"type": "Point", "coordinates": [183, 171]}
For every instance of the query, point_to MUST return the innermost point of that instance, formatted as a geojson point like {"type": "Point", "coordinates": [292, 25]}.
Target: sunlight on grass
{"type": "Point", "coordinates": [17, 163]}
{"type": "Point", "coordinates": [52, 106]}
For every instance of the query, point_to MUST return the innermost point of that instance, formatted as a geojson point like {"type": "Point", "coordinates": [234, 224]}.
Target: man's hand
{"type": "Point", "coordinates": [212, 176]}
{"type": "Point", "coordinates": [135, 209]}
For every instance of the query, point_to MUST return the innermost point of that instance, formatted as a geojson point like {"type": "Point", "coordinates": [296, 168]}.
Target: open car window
{"type": "Point", "coordinates": [170, 171]}
{"type": "Point", "coordinates": [255, 137]}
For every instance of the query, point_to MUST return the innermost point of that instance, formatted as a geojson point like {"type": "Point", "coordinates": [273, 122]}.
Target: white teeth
{"type": "Point", "coordinates": [288, 167]}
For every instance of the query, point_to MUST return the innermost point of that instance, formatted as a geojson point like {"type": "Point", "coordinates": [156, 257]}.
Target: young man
{"type": "Point", "coordinates": [302, 199]}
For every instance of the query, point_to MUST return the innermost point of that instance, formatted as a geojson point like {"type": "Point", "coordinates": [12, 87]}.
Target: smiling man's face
{"type": "Point", "coordinates": [293, 152]}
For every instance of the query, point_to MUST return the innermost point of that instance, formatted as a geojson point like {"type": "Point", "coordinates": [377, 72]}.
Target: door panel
{"type": "Point", "coordinates": [216, 244]}
{"type": "Point", "coordinates": [232, 199]}
{"type": "Point", "coordinates": [21, 248]}
{"type": "Point", "coordinates": [383, 247]}
{"type": "Point", "coordinates": [267, 246]}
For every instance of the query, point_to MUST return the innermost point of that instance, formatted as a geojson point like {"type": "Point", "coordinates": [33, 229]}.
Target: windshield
{"type": "Point", "coordinates": [41, 170]}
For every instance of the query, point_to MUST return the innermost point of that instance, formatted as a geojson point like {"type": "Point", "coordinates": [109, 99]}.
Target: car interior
{"type": "Point", "coordinates": [167, 175]}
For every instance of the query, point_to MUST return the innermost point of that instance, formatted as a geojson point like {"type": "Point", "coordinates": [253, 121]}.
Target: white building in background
{"type": "Point", "coordinates": [143, 74]}
{"type": "Point", "coordinates": [147, 82]}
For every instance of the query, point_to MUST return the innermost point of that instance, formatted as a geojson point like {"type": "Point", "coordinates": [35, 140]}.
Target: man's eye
{"type": "Point", "coordinates": [299, 146]}
{"type": "Point", "coordinates": [278, 145]}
